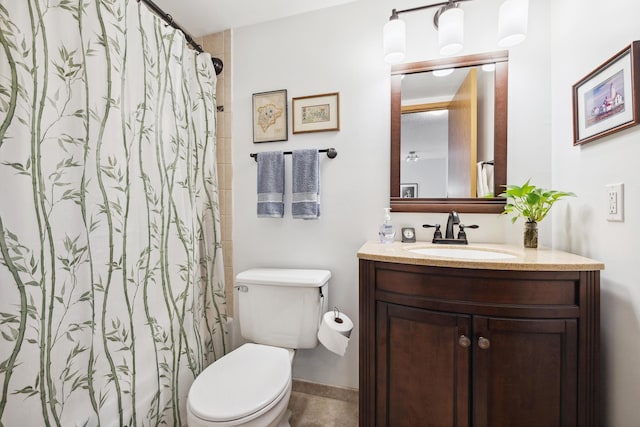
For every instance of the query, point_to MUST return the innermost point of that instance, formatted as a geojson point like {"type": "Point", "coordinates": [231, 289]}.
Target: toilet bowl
{"type": "Point", "coordinates": [279, 310]}
{"type": "Point", "coordinates": [249, 387]}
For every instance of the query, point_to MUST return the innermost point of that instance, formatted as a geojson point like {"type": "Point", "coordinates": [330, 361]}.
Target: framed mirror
{"type": "Point", "coordinates": [449, 134]}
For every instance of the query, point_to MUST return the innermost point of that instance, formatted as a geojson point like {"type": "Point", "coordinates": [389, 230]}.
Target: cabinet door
{"type": "Point", "coordinates": [422, 367]}
{"type": "Point", "coordinates": [524, 372]}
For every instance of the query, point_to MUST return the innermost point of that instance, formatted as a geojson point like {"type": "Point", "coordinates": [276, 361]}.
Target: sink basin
{"type": "Point", "coordinates": [462, 253]}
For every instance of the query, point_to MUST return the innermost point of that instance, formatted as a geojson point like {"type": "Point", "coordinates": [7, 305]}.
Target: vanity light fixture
{"type": "Point", "coordinates": [449, 21]}
{"type": "Point", "coordinates": [412, 157]}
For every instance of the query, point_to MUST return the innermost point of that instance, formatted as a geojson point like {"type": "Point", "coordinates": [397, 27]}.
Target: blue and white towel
{"type": "Point", "coordinates": [305, 197]}
{"type": "Point", "coordinates": [270, 184]}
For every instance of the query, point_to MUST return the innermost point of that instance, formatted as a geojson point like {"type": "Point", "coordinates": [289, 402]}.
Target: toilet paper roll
{"type": "Point", "coordinates": [334, 332]}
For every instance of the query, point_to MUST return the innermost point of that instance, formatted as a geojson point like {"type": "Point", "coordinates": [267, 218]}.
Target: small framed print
{"type": "Point", "coordinates": [409, 191]}
{"type": "Point", "coordinates": [270, 116]}
{"type": "Point", "coordinates": [316, 113]}
{"type": "Point", "coordinates": [605, 101]}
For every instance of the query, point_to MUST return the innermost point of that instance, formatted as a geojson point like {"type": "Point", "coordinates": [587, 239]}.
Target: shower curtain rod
{"type": "Point", "coordinates": [217, 62]}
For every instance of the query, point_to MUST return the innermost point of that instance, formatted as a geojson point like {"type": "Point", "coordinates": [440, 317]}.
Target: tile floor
{"type": "Point", "coordinates": [318, 405]}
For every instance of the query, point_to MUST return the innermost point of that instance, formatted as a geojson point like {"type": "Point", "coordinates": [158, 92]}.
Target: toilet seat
{"type": "Point", "coordinates": [241, 385]}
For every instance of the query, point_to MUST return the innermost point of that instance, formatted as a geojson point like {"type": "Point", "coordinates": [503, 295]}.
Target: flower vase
{"type": "Point", "coordinates": [531, 234]}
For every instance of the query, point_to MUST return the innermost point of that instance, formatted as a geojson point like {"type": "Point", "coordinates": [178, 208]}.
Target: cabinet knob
{"type": "Point", "coordinates": [464, 341]}
{"type": "Point", "coordinates": [484, 343]}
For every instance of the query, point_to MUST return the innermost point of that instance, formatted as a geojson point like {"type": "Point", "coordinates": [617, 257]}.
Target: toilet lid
{"type": "Point", "coordinates": [284, 277]}
{"type": "Point", "coordinates": [240, 383]}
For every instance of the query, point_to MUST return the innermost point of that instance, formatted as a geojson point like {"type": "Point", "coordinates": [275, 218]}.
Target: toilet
{"type": "Point", "coordinates": [280, 310]}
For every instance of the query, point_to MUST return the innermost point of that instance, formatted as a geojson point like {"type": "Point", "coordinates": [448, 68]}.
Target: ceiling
{"type": "Point", "coordinates": [202, 17]}
{"type": "Point", "coordinates": [426, 87]}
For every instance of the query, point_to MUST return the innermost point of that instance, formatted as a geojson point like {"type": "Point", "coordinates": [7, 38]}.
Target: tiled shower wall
{"type": "Point", "coordinates": [219, 45]}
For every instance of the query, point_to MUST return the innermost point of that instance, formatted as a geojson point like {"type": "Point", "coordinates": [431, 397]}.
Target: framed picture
{"type": "Point", "coordinates": [317, 113]}
{"type": "Point", "coordinates": [606, 100]}
{"type": "Point", "coordinates": [408, 191]}
{"type": "Point", "coordinates": [270, 116]}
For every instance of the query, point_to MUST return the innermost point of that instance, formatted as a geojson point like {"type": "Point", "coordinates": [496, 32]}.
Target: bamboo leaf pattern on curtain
{"type": "Point", "coordinates": [111, 275]}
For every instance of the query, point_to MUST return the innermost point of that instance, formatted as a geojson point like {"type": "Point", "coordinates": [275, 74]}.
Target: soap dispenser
{"type": "Point", "coordinates": [386, 233]}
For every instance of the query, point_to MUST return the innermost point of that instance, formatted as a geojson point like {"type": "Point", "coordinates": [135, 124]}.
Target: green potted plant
{"type": "Point", "coordinates": [531, 203]}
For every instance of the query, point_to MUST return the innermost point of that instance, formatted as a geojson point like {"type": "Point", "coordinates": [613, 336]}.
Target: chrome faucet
{"type": "Point", "coordinates": [448, 238]}
{"type": "Point", "coordinates": [453, 219]}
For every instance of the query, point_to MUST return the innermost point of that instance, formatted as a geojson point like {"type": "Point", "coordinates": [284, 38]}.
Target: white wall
{"type": "Point", "coordinates": [595, 32]}
{"type": "Point", "coordinates": [340, 49]}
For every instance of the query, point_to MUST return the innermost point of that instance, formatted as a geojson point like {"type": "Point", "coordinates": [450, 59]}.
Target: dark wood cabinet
{"type": "Point", "coordinates": [422, 371]}
{"type": "Point", "coordinates": [443, 346]}
{"type": "Point", "coordinates": [525, 374]}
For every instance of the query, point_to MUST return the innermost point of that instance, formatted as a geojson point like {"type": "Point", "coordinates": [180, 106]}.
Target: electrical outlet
{"type": "Point", "coordinates": [615, 199]}
{"type": "Point", "coordinates": [613, 202]}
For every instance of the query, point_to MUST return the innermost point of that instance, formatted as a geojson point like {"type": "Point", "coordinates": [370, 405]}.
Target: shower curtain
{"type": "Point", "coordinates": [111, 275]}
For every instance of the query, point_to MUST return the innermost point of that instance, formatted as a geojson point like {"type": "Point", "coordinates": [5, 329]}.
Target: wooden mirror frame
{"type": "Point", "coordinates": [474, 205]}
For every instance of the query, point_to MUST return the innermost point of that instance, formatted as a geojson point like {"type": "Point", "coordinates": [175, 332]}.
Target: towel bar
{"type": "Point", "coordinates": [331, 153]}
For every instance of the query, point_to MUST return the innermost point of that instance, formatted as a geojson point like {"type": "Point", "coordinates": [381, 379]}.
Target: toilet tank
{"type": "Point", "coordinates": [282, 307]}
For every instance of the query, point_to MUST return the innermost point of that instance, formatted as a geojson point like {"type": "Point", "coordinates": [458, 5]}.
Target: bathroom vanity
{"type": "Point", "coordinates": [465, 340]}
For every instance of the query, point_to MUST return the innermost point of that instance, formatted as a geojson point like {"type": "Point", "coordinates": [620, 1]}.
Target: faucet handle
{"type": "Point", "coordinates": [462, 235]}
{"type": "Point", "coordinates": [437, 234]}
{"type": "Point", "coordinates": [462, 226]}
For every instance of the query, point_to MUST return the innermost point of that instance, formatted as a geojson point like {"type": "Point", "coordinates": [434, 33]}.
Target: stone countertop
{"type": "Point", "coordinates": [540, 259]}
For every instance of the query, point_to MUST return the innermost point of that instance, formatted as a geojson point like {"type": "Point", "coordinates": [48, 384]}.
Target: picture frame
{"type": "Point", "coordinates": [409, 191]}
{"type": "Point", "coordinates": [270, 119]}
{"type": "Point", "coordinates": [316, 113]}
{"type": "Point", "coordinates": [606, 100]}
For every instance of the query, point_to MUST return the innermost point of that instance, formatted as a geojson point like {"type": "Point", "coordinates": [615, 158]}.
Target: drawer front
{"type": "Point", "coordinates": [480, 286]}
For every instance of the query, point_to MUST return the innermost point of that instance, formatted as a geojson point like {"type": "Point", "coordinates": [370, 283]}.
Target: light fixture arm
{"type": "Point", "coordinates": [450, 3]}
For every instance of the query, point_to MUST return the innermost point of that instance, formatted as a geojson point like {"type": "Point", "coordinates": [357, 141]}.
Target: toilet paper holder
{"type": "Point", "coordinates": [335, 330]}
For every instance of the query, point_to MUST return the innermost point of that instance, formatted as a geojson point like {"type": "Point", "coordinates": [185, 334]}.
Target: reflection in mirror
{"type": "Point", "coordinates": [424, 151]}
{"type": "Point", "coordinates": [447, 125]}
{"type": "Point", "coordinates": [448, 134]}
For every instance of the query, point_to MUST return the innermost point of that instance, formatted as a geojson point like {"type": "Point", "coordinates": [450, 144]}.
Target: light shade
{"type": "Point", "coordinates": [394, 41]}
{"type": "Point", "coordinates": [451, 31]}
{"type": "Point", "coordinates": [512, 22]}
